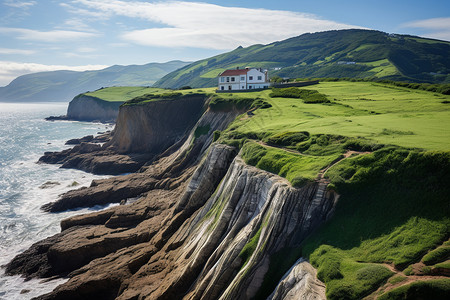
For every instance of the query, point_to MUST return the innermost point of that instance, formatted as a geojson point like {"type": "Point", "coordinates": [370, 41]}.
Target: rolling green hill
{"type": "Point", "coordinates": [64, 85]}
{"type": "Point", "coordinates": [350, 53]}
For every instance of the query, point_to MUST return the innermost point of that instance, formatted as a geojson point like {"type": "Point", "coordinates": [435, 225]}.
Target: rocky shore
{"type": "Point", "coordinates": [196, 222]}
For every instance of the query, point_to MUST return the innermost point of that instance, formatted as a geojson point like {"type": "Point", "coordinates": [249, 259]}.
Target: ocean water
{"type": "Point", "coordinates": [24, 137]}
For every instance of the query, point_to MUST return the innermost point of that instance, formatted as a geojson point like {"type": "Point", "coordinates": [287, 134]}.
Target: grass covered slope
{"type": "Point", "coordinates": [394, 186]}
{"type": "Point", "coordinates": [393, 209]}
{"type": "Point", "coordinates": [383, 113]}
{"type": "Point", "coordinates": [351, 53]}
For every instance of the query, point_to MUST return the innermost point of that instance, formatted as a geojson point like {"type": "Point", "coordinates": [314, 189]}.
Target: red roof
{"type": "Point", "coordinates": [234, 72]}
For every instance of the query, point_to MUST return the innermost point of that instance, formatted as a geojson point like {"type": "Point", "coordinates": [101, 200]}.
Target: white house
{"type": "Point", "coordinates": [243, 79]}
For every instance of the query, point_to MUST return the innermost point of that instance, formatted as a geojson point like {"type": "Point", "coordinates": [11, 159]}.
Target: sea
{"type": "Point", "coordinates": [26, 185]}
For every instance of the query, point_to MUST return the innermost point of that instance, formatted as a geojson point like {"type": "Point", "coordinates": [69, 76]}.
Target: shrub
{"type": "Point", "coordinates": [438, 289]}
{"type": "Point", "coordinates": [361, 145]}
{"type": "Point", "coordinates": [201, 130]}
{"type": "Point", "coordinates": [288, 138]}
{"type": "Point", "coordinates": [437, 255]}
{"type": "Point", "coordinates": [397, 279]}
{"type": "Point", "coordinates": [151, 97]}
{"type": "Point", "coordinates": [329, 269]}
{"type": "Point", "coordinates": [308, 96]}
{"type": "Point", "coordinates": [229, 103]}
{"type": "Point", "coordinates": [216, 135]}
{"type": "Point", "coordinates": [250, 247]}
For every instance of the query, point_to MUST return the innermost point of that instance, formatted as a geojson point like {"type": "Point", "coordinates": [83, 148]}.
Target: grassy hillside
{"type": "Point", "coordinates": [64, 85]}
{"type": "Point", "coordinates": [383, 113]}
{"type": "Point", "coordinates": [344, 53]}
{"type": "Point", "coordinates": [394, 188]}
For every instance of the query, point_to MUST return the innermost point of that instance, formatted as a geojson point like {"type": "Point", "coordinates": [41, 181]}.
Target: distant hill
{"type": "Point", "coordinates": [350, 53]}
{"type": "Point", "coordinates": [64, 85]}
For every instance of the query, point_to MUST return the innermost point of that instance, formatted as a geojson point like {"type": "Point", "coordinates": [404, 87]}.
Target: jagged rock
{"type": "Point", "coordinates": [85, 139]}
{"type": "Point", "coordinates": [57, 118]}
{"type": "Point", "coordinates": [300, 283]}
{"type": "Point", "coordinates": [49, 184]}
{"type": "Point", "coordinates": [96, 159]}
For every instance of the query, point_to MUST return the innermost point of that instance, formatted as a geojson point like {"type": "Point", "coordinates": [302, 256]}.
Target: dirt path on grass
{"type": "Point", "coordinates": [347, 154]}
{"type": "Point", "coordinates": [407, 280]}
{"type": "Point", "coordinates": [320, 176]}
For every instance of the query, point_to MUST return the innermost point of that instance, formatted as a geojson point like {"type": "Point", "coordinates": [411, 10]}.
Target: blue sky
{"type": "Point", "coordinates": [80, 35]}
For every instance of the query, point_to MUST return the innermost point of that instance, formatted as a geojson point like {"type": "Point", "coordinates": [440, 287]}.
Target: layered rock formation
{"type": "Point", "coordinates": [204, 226]}
{"type": "Point", "coordinates": [300, 283]}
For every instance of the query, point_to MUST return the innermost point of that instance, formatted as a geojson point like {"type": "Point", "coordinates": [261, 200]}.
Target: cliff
{"type": "Point", "coordinates": [142, 132]}
{"type": "Point", "coordinates": [86, 108]}
{"type": "Point", "coordinates": [205, 225]}
{"type": "Point", "coordinates": [156, 125]}
{"type": "Point", "coordinates": [198, 221]}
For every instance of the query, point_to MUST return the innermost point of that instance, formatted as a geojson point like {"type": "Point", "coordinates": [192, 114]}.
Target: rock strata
{"type": "Point", "coordinates": [300, 283]}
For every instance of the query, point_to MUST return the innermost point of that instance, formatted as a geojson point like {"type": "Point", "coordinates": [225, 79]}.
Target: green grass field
{"type": "Point", "coordinates": [122, 93]}
{"type": "Point", "coordinates": [382, 113]}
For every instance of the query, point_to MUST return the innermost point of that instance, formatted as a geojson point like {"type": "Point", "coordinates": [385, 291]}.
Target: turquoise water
{"type": "Point", "coordinates": [24, 137]}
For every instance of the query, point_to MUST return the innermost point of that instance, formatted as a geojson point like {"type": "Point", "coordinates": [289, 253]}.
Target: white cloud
{"type": "Point", "coordinates": [86, 49]}
{"type": "Point", "coordinates": [78, 24]}
{"type": "Point", "coordinates": [203, 25]}
{"type": "Point", "coordinates": [53, 36]}
{"type": "Point", "coordinates": [16, 51]}
{"type": "Point", "coordinates": [438, 28]}
{"type": "Point", "coordinates": [10, 70]}
{"type": "Point", "coordinates": [19, 4]}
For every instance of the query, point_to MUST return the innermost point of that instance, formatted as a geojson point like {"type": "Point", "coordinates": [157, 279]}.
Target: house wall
{"type": "Point", "coordinates": [253, 73]}
{"type": "Point", "coordinates": [237, 84]}
{"type": "Point", "coordinates": [234, 86]}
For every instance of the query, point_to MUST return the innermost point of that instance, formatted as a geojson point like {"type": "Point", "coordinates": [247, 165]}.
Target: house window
{"type": "Point", "coordinates": [232, 79]}
{"type": "Point", "coordinates": [249, 87]}
{"type": "Point", "coordinates": [229, 87]}
{"type": "Point", "coordinates": [250, 77]}
{"type": "Point", "coordinates": [222, 79]}
{"type": "Point", "coordinates": [242, 78]}
{"type": "Point", "coordinates": [228, 79]}
{"type": "Point", "coordinates": [222, 87]}
{"type": "Point", "coordinates": [243, 87]}
{"type": "Point", "coordinates": [259, 77]}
